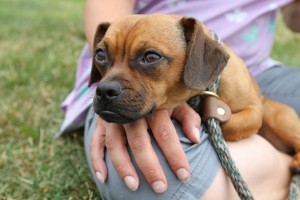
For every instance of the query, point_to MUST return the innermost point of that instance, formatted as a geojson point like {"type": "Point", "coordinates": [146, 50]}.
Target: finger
{"type": "Point", "coordinates": [190, 121]}
{"type": "Point", "coordinates": [145, 156]}
{"type": "Point", "coordinates": [117, 150]}
{"type": "Point", "coordinates": [167, 139]}
{"type": "Point", "coordinates": [97, 147]}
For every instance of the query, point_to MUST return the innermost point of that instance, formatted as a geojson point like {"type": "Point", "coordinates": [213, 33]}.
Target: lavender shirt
{"type": "Point", "coordinates": [247, 26]}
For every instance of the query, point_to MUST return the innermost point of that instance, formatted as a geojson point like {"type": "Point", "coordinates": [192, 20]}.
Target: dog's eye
{"type": "Point", "coordinates": [101, 57]}
{"type": "Point", "coordinates": [150, 58]}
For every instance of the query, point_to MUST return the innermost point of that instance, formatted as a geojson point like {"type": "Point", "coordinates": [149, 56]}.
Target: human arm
{"type": "Point", "coordinates": [291, 15]}
{"type": "Point", "coordinates": [98, 11]}
{"type": "Point", "coordinates": [265, 170]}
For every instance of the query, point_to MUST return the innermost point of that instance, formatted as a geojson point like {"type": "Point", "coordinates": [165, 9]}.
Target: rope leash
{"type": "Point", "coordinates": [221, 148]}
{"type": "Point", "coordinates": [222, 151]}
{"type": "Point", "coordinates": [294, 193]}
{"type": "Point", "coordinates": [227, 162]}
{"type": "Point", "coordinates": [219, 144]}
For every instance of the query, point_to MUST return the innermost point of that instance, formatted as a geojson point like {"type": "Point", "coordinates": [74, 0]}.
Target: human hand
{"type": "Point", "coordinates": [114, 137]}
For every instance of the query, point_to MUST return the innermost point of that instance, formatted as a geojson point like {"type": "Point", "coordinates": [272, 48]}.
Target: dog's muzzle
{"type": "Point", "coordinates": [115, 104]}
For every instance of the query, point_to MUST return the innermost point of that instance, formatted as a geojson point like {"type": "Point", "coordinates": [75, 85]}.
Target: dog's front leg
{"type": "Point", "coordinates": [243, 124]}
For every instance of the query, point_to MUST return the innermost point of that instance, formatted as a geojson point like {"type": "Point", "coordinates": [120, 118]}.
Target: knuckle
{"type": "Point", "coordinates": [138, 143]}
{"type": "Point", "coordinates": [176, 159]}
{"type": "Point", "coordinates": [110, 144]}
{"type": "Point", "coordinates": [196, 118]}
{"type": "Point", "coordinates": [150, 173]}
{"type": "Point", "coordinates": [137, 124]}
{"type": "Point", "coordinates": [164, 134]}
{"type": "Point", "coordinates": [192, 117]}
{"type": "Point", "coordinates": [99, 122]}
{"type": "Point", "coordinates": [121, 168]}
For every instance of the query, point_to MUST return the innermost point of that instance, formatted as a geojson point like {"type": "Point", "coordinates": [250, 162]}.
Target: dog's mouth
{"type": "Point", "coordinates": [128, 106]}
{"type": "Point", "coordinates": [113, 117]}
{"type": "Point", "coordinates": [123, 116]}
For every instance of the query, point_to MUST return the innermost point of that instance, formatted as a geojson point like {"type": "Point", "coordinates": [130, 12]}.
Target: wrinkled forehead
{"type": "Point", "coordinates": [161, 29]}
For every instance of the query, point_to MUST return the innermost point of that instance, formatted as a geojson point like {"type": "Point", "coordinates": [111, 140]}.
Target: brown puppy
{"type": "Point", "coordinates": [150, 62]}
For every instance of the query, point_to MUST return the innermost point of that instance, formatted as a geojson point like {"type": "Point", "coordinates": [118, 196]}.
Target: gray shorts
{"type": "Point", "coordinates": [278, 83]}
{"type": "Point", "coordinates": [202, 158]}
{"type": "Point", "coordinates": [282, 84]}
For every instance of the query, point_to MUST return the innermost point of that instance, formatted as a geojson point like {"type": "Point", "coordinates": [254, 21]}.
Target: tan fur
{"type": "Point", "coordinates": [185, 43]}
{"type": "Point", "coordinates": [243, 97]}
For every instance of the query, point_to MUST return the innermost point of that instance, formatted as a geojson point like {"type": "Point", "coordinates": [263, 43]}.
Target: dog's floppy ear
{"type": "Point", "coordinates": [100, 32]}
{"type": "Point", "coordinates": [205, 57]}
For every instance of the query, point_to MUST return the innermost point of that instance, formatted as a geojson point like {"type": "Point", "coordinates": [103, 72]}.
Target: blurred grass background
{"type": "Point", "coordinates": [40, 42]}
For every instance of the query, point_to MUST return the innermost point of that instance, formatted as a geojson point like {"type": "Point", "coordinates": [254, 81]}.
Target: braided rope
{"type": "Point", "coordinates": [294, 193]}
{"type": "Point", "coordinates": [227, 162]}
{"type": "Point", "coordinates": [223, 153]}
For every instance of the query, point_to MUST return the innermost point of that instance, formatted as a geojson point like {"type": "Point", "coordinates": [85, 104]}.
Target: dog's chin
{"type": "Point", "coordinates": [123, 117]}
{"type": "Point", "coordinates": [113, 117]}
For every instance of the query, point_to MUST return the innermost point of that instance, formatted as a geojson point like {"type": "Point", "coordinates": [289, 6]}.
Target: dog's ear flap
{"type": "Point", "coordinates": [100, 32]}
{"type": "Point", "coordinates": [205, 58]}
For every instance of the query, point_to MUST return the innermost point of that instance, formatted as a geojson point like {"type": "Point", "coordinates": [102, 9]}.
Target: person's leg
{"type": "Point", "coordinates": [203, 162]}
{"type": "Point", "coordinates": [264, 168]}
{"type": "Point", "coordinates": [282, 84]}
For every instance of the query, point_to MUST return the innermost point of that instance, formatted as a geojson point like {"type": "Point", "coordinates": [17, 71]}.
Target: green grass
{"type": "Point", "coordinates": [40, 42]}
{"type": "Point", "coordinates": [287, 46]}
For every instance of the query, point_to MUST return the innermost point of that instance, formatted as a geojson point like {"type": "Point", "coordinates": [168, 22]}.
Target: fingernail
{"type": "Point", "coordinates": [131, 183]}
{"type": "Point", "coordinates": [100, 177]}
{"type": "Point", "coordinates": [183, 175]}
{"type": "Point", "coordinates": [197, 134]}
{"type": "Point", "coordinates": [159, 187]}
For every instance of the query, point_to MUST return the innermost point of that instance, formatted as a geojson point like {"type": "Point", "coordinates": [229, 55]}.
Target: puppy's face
{"type": "Point", "coordinates": [143, 63]}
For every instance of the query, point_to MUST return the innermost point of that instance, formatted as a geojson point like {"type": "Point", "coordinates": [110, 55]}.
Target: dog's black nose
{"type": "Point", "coordinates": [108, 90]}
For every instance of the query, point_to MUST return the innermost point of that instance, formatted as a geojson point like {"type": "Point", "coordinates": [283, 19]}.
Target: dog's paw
{"type": "Point", "coordinates": [295, 165]}
{"type": "Point", "coordinates": [232, 136]}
